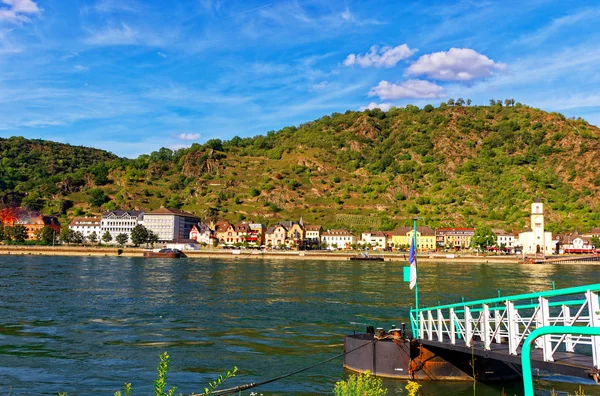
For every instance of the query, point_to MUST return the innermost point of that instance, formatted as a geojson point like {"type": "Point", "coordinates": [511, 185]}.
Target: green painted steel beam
{"type": "Point", "coordinates": [518, 297]}
{"type": "Point", "coordinates": [542, 331]}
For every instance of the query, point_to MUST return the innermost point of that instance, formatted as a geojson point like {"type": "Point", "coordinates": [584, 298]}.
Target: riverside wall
{"type": "Point", "coordinates": [246, 254]}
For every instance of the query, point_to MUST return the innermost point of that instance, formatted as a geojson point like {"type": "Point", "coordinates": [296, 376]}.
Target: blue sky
{"type": "Point", "coordinates": [133, 76]}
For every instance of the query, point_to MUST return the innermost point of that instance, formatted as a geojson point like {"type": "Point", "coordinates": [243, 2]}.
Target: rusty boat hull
{"type": "Point", "coordinates": [403, 358]}
{"type": "Point", "coordinates": [151, 254]}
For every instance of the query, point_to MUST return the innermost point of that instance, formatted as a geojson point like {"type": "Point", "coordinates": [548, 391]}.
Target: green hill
{"type": "Point", "coordinates": [452, 166]}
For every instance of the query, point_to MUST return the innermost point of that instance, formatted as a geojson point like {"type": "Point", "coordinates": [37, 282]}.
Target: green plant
{"type": "Point", "coordinates": [126, 389]}
{"type": "Point", "coordinates": [360, 385]}
{"type": "Point", "coordinates": [218, 382]}
{"type": "Point", "coordinates": [412, 388]}
{"type": "Point", "coordinates": [161, 382]}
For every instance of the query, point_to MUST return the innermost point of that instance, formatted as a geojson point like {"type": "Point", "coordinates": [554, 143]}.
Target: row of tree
{"type": "Point", "coordinates": [493, 102]}
{"type": "Point", "coordinates": [47, 236]}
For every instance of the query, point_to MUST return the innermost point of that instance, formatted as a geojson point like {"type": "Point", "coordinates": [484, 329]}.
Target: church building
{"type": "Point", "coordinates": [536, 240]}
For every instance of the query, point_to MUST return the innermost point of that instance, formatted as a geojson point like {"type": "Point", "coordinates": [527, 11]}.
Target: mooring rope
{"type": "Point", "coordinates": [256, 384]}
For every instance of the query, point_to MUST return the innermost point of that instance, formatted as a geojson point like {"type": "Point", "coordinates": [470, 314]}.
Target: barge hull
{"type": "Point", "coordinates": [408, 359]}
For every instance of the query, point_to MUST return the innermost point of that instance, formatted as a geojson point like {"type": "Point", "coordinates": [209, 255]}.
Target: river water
{"type": "Point", "coordinates": [86, 325]}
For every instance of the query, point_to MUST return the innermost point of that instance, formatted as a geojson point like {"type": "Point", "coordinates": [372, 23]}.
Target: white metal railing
{"type": "Point", "coordinates": [511, 319]}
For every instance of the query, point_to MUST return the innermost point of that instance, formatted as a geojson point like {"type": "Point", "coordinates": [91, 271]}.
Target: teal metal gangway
{"type": "Point", "coordinates": [510, 320]}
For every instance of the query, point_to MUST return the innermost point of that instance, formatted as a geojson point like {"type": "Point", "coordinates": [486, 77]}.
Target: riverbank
{"type": "Point", "coordinates": [253, 254]}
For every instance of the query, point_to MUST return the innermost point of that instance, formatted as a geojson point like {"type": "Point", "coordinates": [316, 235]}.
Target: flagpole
{"type": "Point", "coordinates": [417, 271]}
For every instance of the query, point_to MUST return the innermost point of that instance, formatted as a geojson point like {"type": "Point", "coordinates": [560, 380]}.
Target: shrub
{"type": "Point", "coordinates": [360, 385]}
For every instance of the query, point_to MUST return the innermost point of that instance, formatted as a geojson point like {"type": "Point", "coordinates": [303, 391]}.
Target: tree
{"type": "Point", "coordinates": [106, 237]}
{"type": "Point", "coordinates": [152, 238]}
{"type": "Point", "coordinates": [77, 238]}
{"type": "Point", "coordinates": [100, 174]}
{"type": "Point", "coordinates": [460, 102]}
{"type": "Point", "coordinates": [47, 236]}
{"type": "Point", "coordinates": [2, 233]}
{"type": "Point", "coordinates": [121, 239]}
{"type": "Point", "coordinates": [93, 237]}
{"type": "Point", "coordinates": [492, 102]}
{"type": "Point", "coordinates": [139, 235]}
{"type": "Point", "coordinates": [595, 241]}
{"type": "Point", "coordinates": [97, 197]}
{"type": "Point", "coordinates": [469, 102]}
{"type": "Point", "coordinates": [19, 233]}
{"type": "Point", "coordinates": [33, 201]}
{"type": "Point", "coordinates": [483, 237]}
{"type": "Point", "coordinates": [66, 235]}
{"type": "Point", "coordinates": [450, 102]}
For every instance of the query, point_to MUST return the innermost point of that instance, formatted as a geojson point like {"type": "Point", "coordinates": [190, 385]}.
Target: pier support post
{"type": "Point", "coordinates": [429, 326]}
{"type": "Point", "coordinates": [544, 320]}
{"type": "Point", "coordinates": [513, 328]}
{"type": "Point", "coordinates": [440, 325]}
{"type": "Point", "coordinates": [468, 327]}
{"type": "Point", "coordinates": [594, 310]}
{"type": "Point", "coordinates": [486, 332]}
{"type": "Point", "coordinates": [452, 326]}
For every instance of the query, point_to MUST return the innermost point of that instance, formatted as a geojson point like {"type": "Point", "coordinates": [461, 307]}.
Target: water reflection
{"type": "Point", "coordinates": [86, 325]}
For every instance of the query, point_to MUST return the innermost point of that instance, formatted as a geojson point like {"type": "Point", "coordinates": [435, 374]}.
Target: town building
{"type": "Point", "coordinates": [120, 222]}
{"type": "Point", "coordinates": [202, 234]}
{"type": "Point", "coordinates": [295, 233]}
{"type": "Point", "coordinates": [276, 236]}
{"type": "Point", "coordinates": [312, 235]}
{"type": "Point", "coordinates": [338, 239]}
{"type": "Point", "coordinates": [454, 238]}
{"type": "Point", "coordinates": [224, 232]}
{"type": "Point", "coordinates": [242, 234]}
{"type": "Point", "coordinates": [171, 225]}
{"type": "Point", "coordinates": [575, 244]}
{"type": "Point", "coordinates": [506, 240]}
{"type": "Point", "coordinates": [594, 232]}
{"type": "Point", "coordinates": [258, 230]}
{"type": "Point", "coordinates": [536, 240]}
{"type": "Point", "coordinates": [34, 224]}
{"type": "Point", "coordinates": [426, 240]}
{"type": "Point", "coordinates": [87, 226]}
{"type": "Point", "coordinates": [376, 239]}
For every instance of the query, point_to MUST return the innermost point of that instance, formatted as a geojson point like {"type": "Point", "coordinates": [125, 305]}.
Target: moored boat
{"type": "Point", "coordinates": [364, 256]}
{"type": "Point", "coordinates": [163, 253]}
{"type": "Point", "coordinates": [395, 354]}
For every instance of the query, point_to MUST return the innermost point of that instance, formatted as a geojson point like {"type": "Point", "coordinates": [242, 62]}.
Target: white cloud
{"type": "Point", "coordinates": [161, 54]}
{"type": "Point", "coordinates": [18, 10]}
{"type": "Point", "coordinates": [319, 86]}
{"type": "Point", "coordinates": [559, 24]}
{"type": "Point", "coordinates": [176, 147]}
{"type": "Point", "coordinates": [69, 56]}
{"type": "Point", "coordinates": [347, 15]}
{"type": "Point", "coordinates": [81, 68]}
{"type": "Point", "coordinates": [189, 136]}
{"type": "Point", "coordinates": [380, 57]}
{"type": "Point", "coordinates": [457, 64]}
{"type": "Point", "coordinates": [407, 89]}
{"type": "Point", "coordinates": [123, 35]}
{"type": "Point", "coordinates": [373, 105]}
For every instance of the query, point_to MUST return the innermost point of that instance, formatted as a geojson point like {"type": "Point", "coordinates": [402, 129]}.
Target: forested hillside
{"type": "Point", "coordinates": [452, 166]}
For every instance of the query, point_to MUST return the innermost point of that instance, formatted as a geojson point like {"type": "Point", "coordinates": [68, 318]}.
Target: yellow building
{"type": "Point", "coordinates": [425, 238]}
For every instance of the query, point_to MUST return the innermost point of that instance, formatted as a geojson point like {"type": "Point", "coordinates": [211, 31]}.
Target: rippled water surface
{"type": "Point", "coordinates": [87, 325]}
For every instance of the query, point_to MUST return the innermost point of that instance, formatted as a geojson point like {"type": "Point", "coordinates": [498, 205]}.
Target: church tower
{"type": "Point", "coordinates": [537, 226]}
